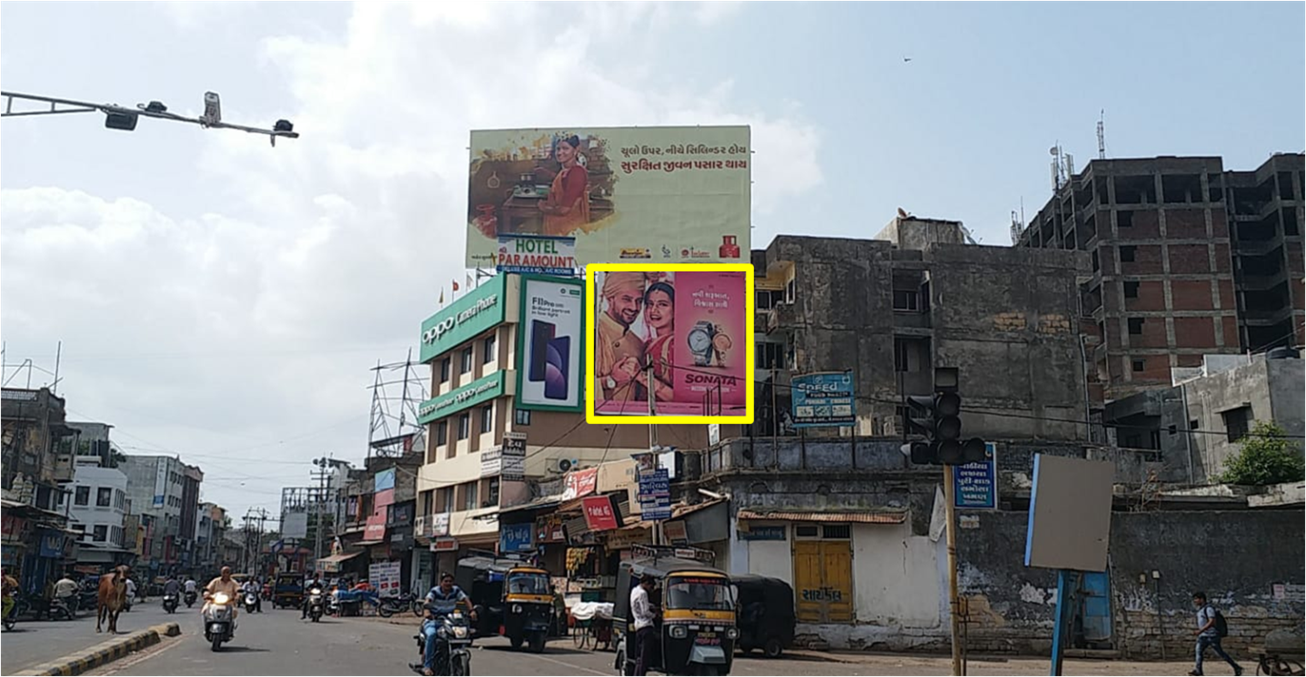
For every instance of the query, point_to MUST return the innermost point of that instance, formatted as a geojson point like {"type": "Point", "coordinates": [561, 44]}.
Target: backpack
{"type": "Point", "coordinates": [1221, 625]}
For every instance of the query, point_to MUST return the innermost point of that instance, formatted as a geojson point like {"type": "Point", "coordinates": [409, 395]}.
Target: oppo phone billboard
{"type": "Point", "coordinates": [550, 344]}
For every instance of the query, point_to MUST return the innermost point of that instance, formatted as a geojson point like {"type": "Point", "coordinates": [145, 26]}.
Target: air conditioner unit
{"type": "Point", "coordinates": [564, 465]}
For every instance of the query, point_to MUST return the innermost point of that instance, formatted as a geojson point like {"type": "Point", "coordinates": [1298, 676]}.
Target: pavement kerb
{"type": "Point", "coordinates": [105, 652]}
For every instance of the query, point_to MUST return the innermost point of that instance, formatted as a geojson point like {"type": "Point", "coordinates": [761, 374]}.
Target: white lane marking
{"type": "Point", "coordinates": [570, 665]}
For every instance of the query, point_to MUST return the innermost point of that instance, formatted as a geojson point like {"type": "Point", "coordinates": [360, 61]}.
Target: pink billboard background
{"type": "Point", "coordinates": [690, 326]}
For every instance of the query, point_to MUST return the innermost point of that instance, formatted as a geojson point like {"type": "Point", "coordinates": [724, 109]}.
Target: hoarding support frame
{"type": "Point", "coordinates": [950, 511]}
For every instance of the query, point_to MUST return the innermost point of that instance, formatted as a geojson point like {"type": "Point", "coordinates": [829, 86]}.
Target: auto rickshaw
{"type": "Point", "coordinates": [766, 614]}
{"type": "Point", "coordinates": [511, 598]}
{"type": "Point", "coordinates": [697, 631]}
{"type": "Point", "coordinates": [288, 591]}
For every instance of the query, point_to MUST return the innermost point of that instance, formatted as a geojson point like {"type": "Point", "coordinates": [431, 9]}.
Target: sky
{"type": "Point", "coordinates": [224, 300]}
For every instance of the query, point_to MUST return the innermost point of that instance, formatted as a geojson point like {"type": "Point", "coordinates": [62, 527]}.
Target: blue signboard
{"type": "Point", "coordinates": [824, 400]}
{"type": "Point", "coordinates": [763, 533]}
{"type": "Point", "coordinates": [384, 480]}
{"type": "Point", "coordinates": [975, 485]}
{"type": "Point", "coordinates": [655, 495]}
{"type": "Point", "coordinates": [516, 537]}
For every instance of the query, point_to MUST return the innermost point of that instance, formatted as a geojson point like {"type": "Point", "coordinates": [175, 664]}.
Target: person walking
{"type": "Point", "coordinates": [1210, 630]}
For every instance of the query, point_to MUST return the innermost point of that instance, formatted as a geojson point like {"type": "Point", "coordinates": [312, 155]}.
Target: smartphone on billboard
{"type": "Point", "coordinates": [541, 334]}
{"type": "Point", "coordinates": [555, 381]}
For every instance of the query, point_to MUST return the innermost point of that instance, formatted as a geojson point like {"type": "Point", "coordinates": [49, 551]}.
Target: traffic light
{"type": "Point", "coordinates": [937, 417]}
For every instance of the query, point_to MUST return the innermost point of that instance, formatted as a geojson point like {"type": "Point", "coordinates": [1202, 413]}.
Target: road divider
{"type": "Point", "coordinates": [105, 652]}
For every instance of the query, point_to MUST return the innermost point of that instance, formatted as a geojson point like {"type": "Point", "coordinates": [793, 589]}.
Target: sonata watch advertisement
{"type": "Point", "coordinates": [549, 342]}
{"type": "Point", "coordinates": [681, 338]}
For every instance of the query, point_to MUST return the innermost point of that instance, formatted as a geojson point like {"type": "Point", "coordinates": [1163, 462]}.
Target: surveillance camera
{"type": "Point", "coordinates": [212, 108]}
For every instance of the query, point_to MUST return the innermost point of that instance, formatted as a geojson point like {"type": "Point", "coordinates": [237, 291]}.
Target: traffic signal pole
{"type": "Point", "coordinates": [954, 600]}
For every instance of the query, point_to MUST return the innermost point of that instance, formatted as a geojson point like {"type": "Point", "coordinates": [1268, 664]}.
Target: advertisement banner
{"type": "Point", "coordinates": [375, 529]}
{"type": "Point", "coordinates": [655, 495]}
{"type": "Point", "coordinates": [440, 524]}
{"type": "Point", "coordinates": [823, 400]}
{"type": "Point", "coordinates": [548, 529]}
{"type": "Point", "coordinates": [580, 483]}
{"type": "Point", "coordinates": [384, 577]}
{"type": "Point", "coordinates": [516, 537]}
{"type": "Point", "coordinates": [976, 483]}
{"type": "Point", "coordinates": [295, 524]}
{"type": "Point", "coordinates": [600, 514]}
{"type": "Point", "coordinates": [675, 532]}
{"type": "Point", "coordinates": [491, 462]}
{"type": "Point", "coordinates": [676, 194]}
{"type": "Point", "coordinates": [536, 254]}
{"type": "Point", "coordinates": [470, 314]}
{"type": "Point", "coordinates": [550, 343]}
{"type": "Point", "coordinates": [444, 544]}
{"type": "Point", "coordinates": [683, 334]}
{"type": "Point", "coordinates": [384, 480]}
{"type": "Point", "coordinates": [513, 457]}
{"type": "Point", "coordinates": [160, 481]}
{"type": "Point", "coordinates": [481, 390]}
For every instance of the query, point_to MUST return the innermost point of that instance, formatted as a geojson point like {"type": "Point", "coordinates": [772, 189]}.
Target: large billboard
{"type": "Point", "coordinates": [824, 399]}
{"type": "Point", "coordinates": [678, 334]}
{"type": "Point", "coordinates": [673, 194]}
{"type": "Point", "coordinates": [473, 313]}
{"type": "Point", "coordinates": [550, 344]}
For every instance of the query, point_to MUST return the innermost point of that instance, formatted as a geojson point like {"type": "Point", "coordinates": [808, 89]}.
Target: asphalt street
{"type": "Point", "coordinates": [278, 643]}
{"type": "Point", "coordinates": [33, 642]}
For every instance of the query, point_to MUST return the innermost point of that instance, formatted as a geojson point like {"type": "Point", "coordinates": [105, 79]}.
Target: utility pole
{"type": "Point", "coordinates": [321, 474]}
{"type": "Point", "coordinates": [954, 600]}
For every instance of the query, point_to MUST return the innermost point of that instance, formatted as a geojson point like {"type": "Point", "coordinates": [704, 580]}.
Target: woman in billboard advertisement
{"type": "Point", "coordinates": [567, 206]}
{"type": "Point", "coordinates": [659, 318]}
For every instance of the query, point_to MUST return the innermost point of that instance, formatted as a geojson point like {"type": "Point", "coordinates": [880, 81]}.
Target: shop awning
{"type": "Point", "coordinates": [336, 559]}
{"type": "Point", "coordinates": [839, 517]}
{"type": "Point", "coordinates": [365, 544]}
{"type": "Point", "coordinates": [542, 503]}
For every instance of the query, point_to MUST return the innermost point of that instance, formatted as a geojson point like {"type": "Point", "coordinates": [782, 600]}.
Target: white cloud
{"type": "Point", "coordinates": [336, 245]}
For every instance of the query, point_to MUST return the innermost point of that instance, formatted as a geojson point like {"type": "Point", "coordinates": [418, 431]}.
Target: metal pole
{"type": "Point", "coordinates": [651, 394]}
{"type": "Point", "coordinates": [951, 519]}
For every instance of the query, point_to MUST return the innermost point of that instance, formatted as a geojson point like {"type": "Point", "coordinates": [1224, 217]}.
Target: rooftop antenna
{"type": "Point", "coordinates": [1101, 135]}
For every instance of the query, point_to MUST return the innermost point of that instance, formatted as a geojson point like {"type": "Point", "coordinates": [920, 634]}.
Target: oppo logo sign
{"type": "Point", "coordinates": [434, 333]}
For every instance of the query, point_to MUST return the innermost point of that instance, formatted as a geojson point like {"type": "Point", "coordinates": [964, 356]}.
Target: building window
{"type": "Point", "coordinates": [465, 363]}
{"type": "Point", "coordinates": [768, 299]}
{"type": "Point", "coordinates": [790, 288]}
{"type": "Point", "coordinates": [1137, 365]}
{"type": "Point", "coordinates": [464, 426]}
{"type": "Point", "coordinates": [101, 532]}
{"type": "Point", "coordinates": [1127, 253]}
{"type": "Point", "coordinates": [83, 496]}
{"type": "Point", "coordinates": [469, 496]}
{"type": "Point", "coordinates": [770, 356]}
{"type": "Point", "coordinates": [521, 417]}
{"type": "Point", "coordinates": [488, 350]}
{"type": "Point", "coordinates": [117, 535]}
{"type": "Point", "coordinates": [904, 299]}
{"type": "Point", "coordinates": [1135, 326]}
{"type": "Point", "coordinates": [1124, 219]}
{"type": "Point", "coordinates": [492, 492]}
{"type": "Point", "coordinates": [443, 499]}
{"type": "Point", "coordinates": [441, 433]}
{"type": "Point", "coordinates": [1131, 290]}
{"type": "Point", "coordinates": [444, 370]}
{"type": "Point", "coordinates": [487, 418]}
{"type": "Point", "coordinates": [1235, 422]}
{"type": "Point", "coordinates": [120, 499]}
{"type": "Point", "coordinates": [104, 497]}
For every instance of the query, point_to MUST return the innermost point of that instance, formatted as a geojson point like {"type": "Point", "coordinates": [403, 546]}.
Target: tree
{"type": "Point", "coordinates": [1266, 457]}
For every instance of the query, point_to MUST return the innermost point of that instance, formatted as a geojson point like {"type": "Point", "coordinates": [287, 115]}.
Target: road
{"type": "Point", "coordinates": [34, 642]}
{"type": "Point", "coordinates": [278, 643]}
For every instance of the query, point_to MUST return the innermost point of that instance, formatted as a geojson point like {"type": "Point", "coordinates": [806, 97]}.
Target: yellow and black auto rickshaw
{"type": "Point", "coordinates": [288, 591]}
{"type": "Point", "coordinates": [696, 629]}
{"type": "Point", "coordinates": [512, 598]}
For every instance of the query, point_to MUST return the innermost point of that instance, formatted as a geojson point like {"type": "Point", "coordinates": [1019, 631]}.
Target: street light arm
{"type": "Point", "coordinates": [281, 129]}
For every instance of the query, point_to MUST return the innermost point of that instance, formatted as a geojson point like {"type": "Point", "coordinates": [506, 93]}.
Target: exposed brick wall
{"type": "Point", "coordinates": [1223, 260]}
{"type": "Point", "coordinates": [1227, 299]}
{"type": "Point", "coordinates": [1190, 359]}
{"type": "Point", "coordinates": [1147, 261]}
{"type": "Point", "coordinates": [1194, 332]}
{"type": "Point", "coordinates": [1190, 294]}
{"type": "Point", "coordinates": [1146, 225]}
{"type": "Point", "coordinates": [1155, 367]}
{"type": "Point", "coordinates": [1219, 224]}
{"type": "Point", "coordinates": [1231, 338]}
{"type": "Point", "coordinates": [1185, 224]}
{"type": "Point", "coordinates": [1153, 335]}
{"type": "Point", "coordinates": [1151, 295]}
{"type": "Point", "coordinates": [1189, 258]}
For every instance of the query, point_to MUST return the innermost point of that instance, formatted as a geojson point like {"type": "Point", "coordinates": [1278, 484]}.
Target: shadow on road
{"type": "Point", "coordinates": [548, 650]}
{"type": "Point", "coordinates": [242, 649]}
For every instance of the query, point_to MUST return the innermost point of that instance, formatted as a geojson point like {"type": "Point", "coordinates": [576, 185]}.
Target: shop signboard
{"type": "Point", "coordinates": [675, 194]}
{"type": "Point", "coordinates": [823, 400]}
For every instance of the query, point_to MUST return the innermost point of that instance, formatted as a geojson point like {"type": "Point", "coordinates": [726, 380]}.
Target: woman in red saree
{"type": "Point", "coordinates": [659, 317]}
{"type": "Point", "coordinates": [567, 208]}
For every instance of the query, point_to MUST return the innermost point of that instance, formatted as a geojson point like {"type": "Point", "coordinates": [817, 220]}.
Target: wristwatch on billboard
{"type": "Point", "coordinates": [610, 383]}
{"type": "Point", "coordinates": [701, 339]}
{"type": "Point", "coordinates": [721, 343]}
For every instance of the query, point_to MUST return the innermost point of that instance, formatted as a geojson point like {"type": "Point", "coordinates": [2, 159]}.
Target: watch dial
{"type": "Point", "coordinates": [698, 340]}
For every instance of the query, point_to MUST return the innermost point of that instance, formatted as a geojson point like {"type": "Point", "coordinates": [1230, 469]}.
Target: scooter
{"type": "Point", "coordinates": [219, 620]}
{"type": "Point", "coordinates": [170, 603]}
{"type": "Point", "coordinates": [315, 605]}
{"type": "Point", "coordinates": [251, 601]}
{"type": "Point", "coordinates": [190, 599]}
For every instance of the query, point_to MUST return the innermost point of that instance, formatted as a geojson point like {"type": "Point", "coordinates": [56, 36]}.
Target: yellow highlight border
{"type": "Point", "coordinates": [593, 303]}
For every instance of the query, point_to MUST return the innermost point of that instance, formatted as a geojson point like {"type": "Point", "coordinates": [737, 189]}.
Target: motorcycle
{"type": "Point", "coordinates": [170, 603]}
{"type": "Point", "coordinates": [453, 656]}
{"type": "Point", "coordinates": [251, 602]}
{"type": "Point", "coordinates": [389, 606]}
{"type": "Point", "coordinates": [315, 606]}
{"type": "Point", "coordinates": [190, 599]}
{"type": "Point", "coordinates": [219, 620]}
